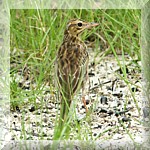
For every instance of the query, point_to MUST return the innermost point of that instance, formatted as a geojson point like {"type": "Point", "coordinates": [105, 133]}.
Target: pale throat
{"type": "Point", "coordinates": [72, 38]}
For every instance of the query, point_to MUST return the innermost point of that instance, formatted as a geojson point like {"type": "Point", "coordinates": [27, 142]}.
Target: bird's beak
{"type": "Point", "coordinates": [92, 24]}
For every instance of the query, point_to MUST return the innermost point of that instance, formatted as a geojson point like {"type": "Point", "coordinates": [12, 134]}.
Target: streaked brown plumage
{"type": "Point", "coordinates": [72, 63]}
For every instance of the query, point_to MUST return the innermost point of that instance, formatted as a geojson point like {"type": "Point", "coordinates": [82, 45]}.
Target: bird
{"type": "Point", "coordinates": [71, 65]}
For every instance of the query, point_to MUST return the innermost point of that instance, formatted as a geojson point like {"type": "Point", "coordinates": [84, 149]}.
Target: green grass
{"type": "Point", "coordinates": [35, 36]}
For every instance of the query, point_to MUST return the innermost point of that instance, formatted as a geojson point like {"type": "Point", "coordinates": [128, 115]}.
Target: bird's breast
{"type": "Point", "coordinates": [72, 55]}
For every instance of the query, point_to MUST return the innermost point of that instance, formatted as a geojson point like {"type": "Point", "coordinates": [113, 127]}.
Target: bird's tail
{"type": "Point", "coordinates": [63, 127]}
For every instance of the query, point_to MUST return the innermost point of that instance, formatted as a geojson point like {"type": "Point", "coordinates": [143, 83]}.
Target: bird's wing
{"type": "Point", "coordinates": [71, 68]}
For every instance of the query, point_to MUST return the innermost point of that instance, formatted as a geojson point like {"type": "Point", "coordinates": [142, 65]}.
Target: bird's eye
{"type": "Point", "coordinates": [80, 24]}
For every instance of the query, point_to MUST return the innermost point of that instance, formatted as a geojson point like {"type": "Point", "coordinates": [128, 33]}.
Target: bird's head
{"type": "Point", "coordinates": [77, 26]}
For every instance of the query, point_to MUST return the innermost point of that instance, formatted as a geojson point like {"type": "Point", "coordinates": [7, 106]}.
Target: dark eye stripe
{"type": "Point", "coordinates": [72, 25]}
{"type": "Point", "coordinates": [76, 25]}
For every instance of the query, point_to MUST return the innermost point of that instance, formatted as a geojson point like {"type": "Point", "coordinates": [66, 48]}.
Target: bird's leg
{"type": "Point", "coordinates": [84, 102]}
{"type": "Point", "coordinates": [83, 99]}
{"type": "Point", "coordinates": [83, 91]}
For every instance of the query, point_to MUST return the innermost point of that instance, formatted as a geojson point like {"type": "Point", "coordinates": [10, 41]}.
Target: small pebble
{"type": "Point", "coordinates": [125, 119]}
{"type": "Point", "coordinates": [103, 100]}
{"type": "Point", "coordinates": [91, 74]}
{"type": "Point", "coordinates": [103, 110]}
{"type": "Point", "coordinates": [146, 112]}
{"type": "Point", "coordinates": [32, 109]}
{"type": "Point", "coordinates": [108, 88]}
{"type": "Point", "coordinates": [15, 116]}
{"type": "Point", "coordinates": [118, 94]}
{"type": "Point", "coordinates": [110, 112]}
{"type": "Point", "coordinates": [134, 89]}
